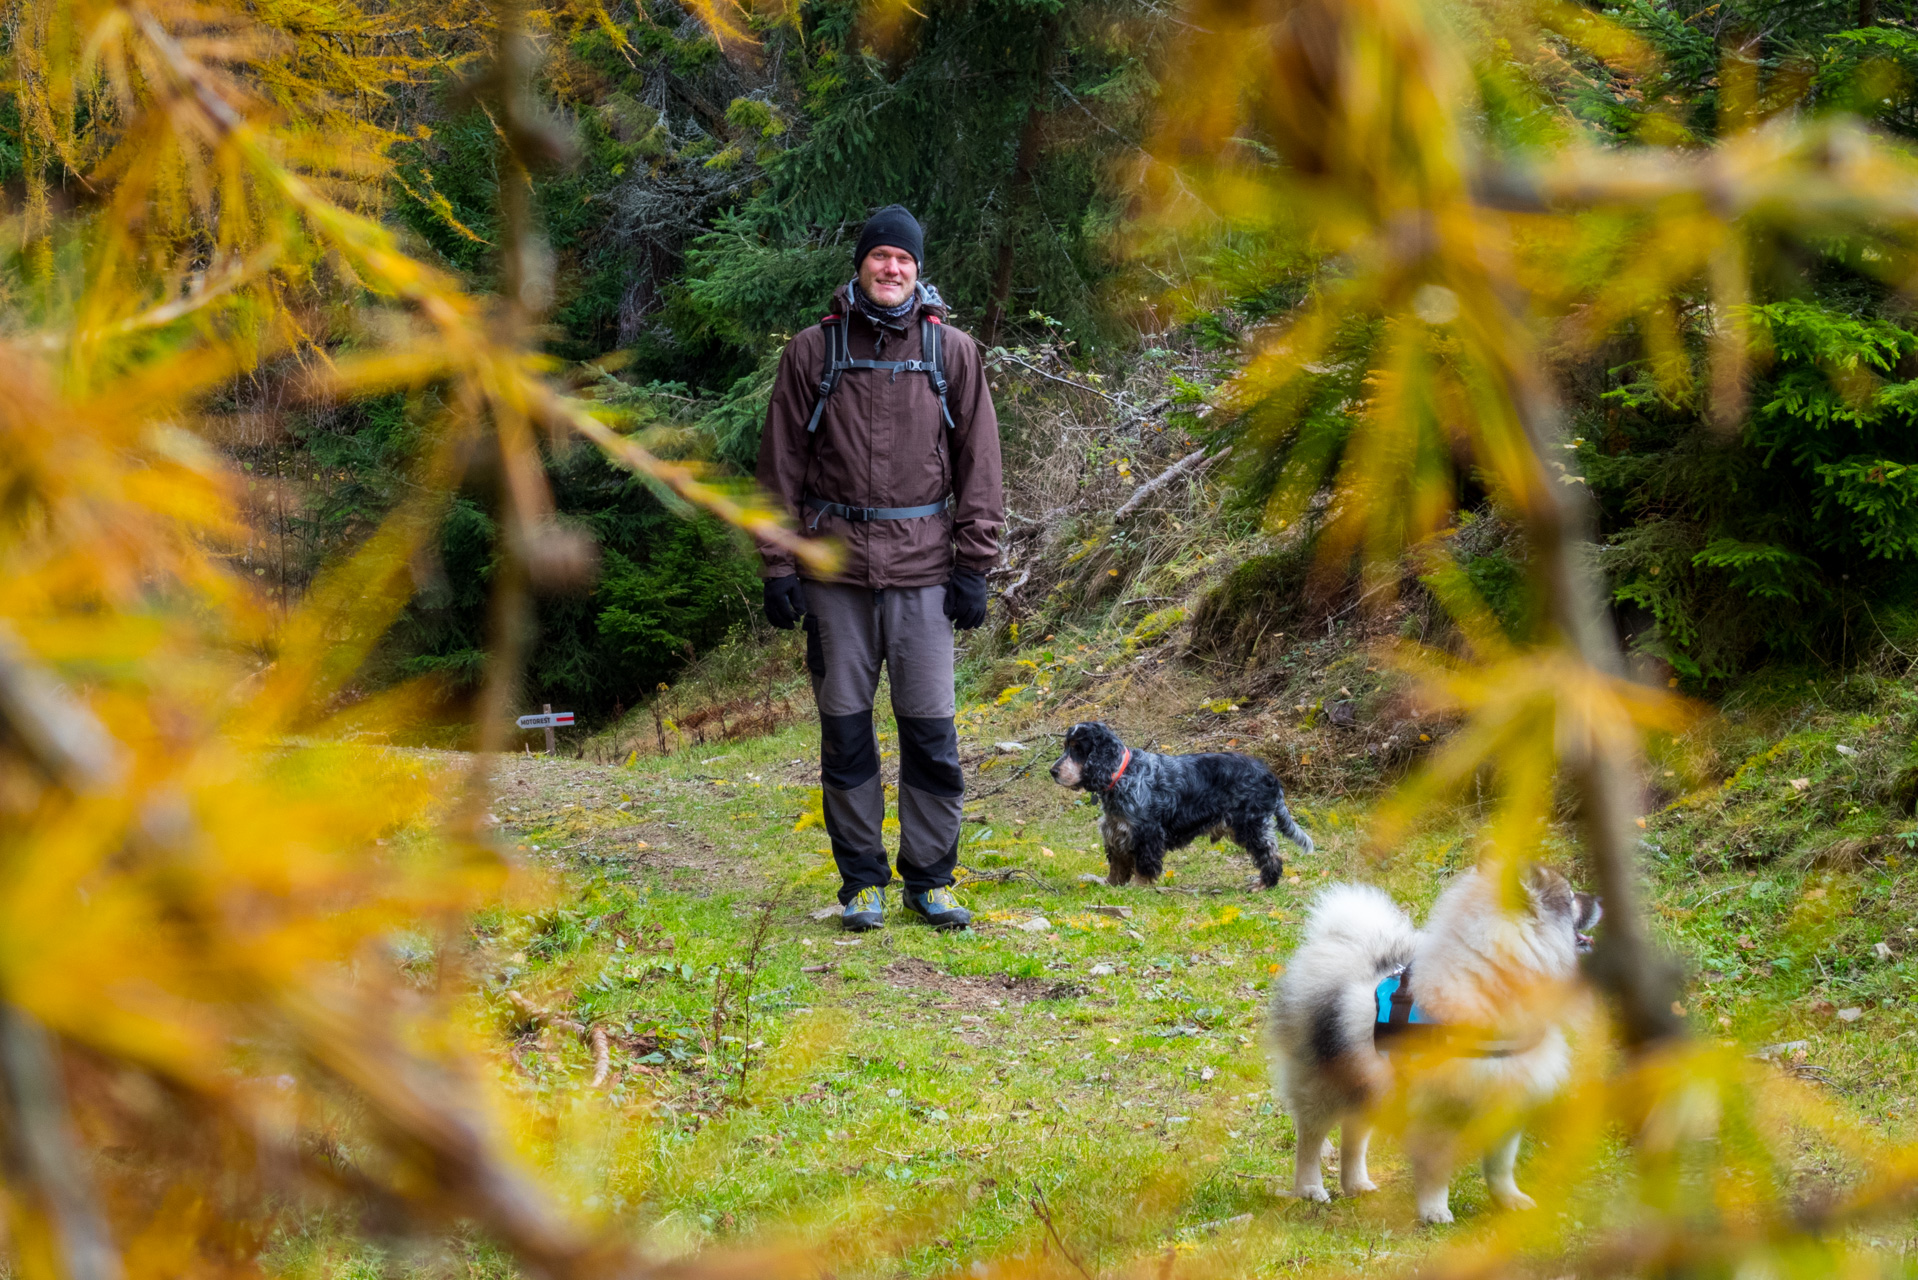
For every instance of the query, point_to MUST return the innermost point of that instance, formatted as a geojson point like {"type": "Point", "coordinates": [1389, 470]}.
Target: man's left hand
{"type": "Point", "coordinates": [966, 599]}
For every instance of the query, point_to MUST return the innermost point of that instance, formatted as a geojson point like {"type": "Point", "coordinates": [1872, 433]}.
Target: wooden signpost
{"type": "Point", "coordinates": [548, 720]}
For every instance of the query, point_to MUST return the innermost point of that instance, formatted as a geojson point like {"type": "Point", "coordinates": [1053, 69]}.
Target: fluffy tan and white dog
{"type": "Point", "coordinates": [1475, 999]}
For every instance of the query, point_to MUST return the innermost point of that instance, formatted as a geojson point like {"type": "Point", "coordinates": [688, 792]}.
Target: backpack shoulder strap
{"type": "Point", "coordinates": [838, 356]}
{"type": "Point", "coordinates": [930, 347]}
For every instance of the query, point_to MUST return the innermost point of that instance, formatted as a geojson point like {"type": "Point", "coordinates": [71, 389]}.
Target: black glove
{"type": "Point", "coordinates": [785, 601]}
{"type": "Point", "coordinates": [966, 599]}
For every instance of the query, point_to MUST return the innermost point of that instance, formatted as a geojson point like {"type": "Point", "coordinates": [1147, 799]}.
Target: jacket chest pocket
{"type": "Point", "coordinates": [919, 440]}
{"type": "Point", "coordinates": [881, 440]}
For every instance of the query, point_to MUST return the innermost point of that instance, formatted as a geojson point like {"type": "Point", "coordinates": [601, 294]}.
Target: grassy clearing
{"type": "Point", "coordinates": [912, 1101]}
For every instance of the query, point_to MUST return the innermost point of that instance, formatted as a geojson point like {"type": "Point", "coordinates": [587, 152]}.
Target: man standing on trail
{"type": "Point", "coordinates": [881, 434]}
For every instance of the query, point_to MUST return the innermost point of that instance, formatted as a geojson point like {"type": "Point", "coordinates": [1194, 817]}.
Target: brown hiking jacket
{"type": "Point", "coordinates": [882, 443]}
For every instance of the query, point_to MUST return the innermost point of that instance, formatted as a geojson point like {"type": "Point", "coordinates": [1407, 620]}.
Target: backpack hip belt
{"type": "Point", "coordinates": [839, 360]}
{"type": "Point", "coordinates": [863, 514]}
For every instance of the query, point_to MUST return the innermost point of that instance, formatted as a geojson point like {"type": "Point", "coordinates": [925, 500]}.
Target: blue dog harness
{"type": "Point", "coordinates": [1397, 1009]}
{"type": "Point", "coordinates": [1398, 1012]}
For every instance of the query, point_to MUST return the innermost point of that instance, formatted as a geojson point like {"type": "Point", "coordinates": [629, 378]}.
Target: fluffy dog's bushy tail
{"type": "Point", "coordinates": [1289, 827]}
{"type": "Point", "coordinates": [1323, 1004]}
{"type": "Point", "coordinates": [1359, 931]}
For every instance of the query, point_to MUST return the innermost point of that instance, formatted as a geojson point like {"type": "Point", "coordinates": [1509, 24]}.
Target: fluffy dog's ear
{"type": "Point", "coordinates": [1587, 911]}
{"type": "Point", "coordinates": [1550, 893]}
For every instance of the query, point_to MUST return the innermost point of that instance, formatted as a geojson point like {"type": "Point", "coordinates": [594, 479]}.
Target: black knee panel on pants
{"type": "Point", "coordinates": [848, 753]}
{"type": "Point", "coordinates": [929, 755]}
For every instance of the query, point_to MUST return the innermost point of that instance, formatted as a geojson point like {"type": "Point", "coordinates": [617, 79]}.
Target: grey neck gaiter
{"type": "Point", "coordinates": [890, 317]}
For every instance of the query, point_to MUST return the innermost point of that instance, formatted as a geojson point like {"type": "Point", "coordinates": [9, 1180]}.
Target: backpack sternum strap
{"type": "Point", "coordinates": [839, 359]}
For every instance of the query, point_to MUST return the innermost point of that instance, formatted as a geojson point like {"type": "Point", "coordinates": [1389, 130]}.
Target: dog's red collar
{"type": "Point", "coordinates": [1120, 771]}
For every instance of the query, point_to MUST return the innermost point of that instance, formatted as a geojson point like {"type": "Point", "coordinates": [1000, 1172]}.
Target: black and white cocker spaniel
{"type": "Point", "coordinates": [1151, 803]}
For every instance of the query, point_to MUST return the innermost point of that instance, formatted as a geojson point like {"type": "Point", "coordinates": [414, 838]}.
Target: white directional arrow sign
{"type": "Point", "coordinates": [548, 720]}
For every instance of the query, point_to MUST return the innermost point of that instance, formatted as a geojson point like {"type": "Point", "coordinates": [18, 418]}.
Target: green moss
{"type": "Point", "coordinates": [1260, 597]}
{"type": "Point", "coordinates": [1154, 627]}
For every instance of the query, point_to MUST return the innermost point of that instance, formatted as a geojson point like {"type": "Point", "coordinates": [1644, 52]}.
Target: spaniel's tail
{"type": "Point", "coordinates": [1289, 827]}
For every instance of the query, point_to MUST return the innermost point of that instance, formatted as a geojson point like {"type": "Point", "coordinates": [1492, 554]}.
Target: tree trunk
{"type": "Point", "coordinates": [1019, 188]}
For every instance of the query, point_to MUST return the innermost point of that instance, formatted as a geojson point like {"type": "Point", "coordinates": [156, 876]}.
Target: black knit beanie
{"type": "Point", "coordinates": [893, 226]}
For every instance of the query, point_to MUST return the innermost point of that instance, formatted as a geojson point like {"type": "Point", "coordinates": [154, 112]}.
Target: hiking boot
{"type": "Point", "coordinates": [938, 908]}
{"type": "Point", "coordinates": [867, 910]}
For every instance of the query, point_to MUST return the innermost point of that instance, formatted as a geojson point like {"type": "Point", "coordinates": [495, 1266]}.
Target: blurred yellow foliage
{"type": "Point", "coordinates": [202, 958]}
{"type": "Point", "coordinates": [199, 944]}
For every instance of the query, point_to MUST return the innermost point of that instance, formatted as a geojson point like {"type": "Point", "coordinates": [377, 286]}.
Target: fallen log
{"type": "Point", "coordinates": [1190, 465]}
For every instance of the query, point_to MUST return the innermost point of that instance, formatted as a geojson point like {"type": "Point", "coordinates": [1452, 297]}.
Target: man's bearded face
{"type": "Point", "coordinates": [887, 275]}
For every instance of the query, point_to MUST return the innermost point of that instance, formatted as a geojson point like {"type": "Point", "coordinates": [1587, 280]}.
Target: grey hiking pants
{"type": "Point", "coordinates": [849, 632]}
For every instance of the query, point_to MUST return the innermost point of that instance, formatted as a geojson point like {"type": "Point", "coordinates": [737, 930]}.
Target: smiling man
{"type": "Point", "coordinates": [881, 434]}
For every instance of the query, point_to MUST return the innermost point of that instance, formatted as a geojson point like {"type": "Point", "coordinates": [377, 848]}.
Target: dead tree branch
{"type": "Point", "coordinates": [1627, 964]}
{"type": "Point", "coordinates": [1191, 465]}
{"type": "Point", "coordinates": [42, 1154]}
{"type": "Point", "coordinates": [1033, 368]}
{"type": "Point", "coordinates": [64, 737]}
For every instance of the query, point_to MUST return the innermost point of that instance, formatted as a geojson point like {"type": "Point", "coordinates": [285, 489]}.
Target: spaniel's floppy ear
{"type": "Point", "coordinates": [1103, 753]}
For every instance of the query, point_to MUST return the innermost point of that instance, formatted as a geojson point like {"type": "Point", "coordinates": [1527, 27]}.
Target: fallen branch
{"type": "Point", "coordinates": [1191, 464]}
{"type": "Point", "coordinates": [1076, 386]}
{"type": "Point", "coordinates": [533, 1013]}
{"type": "Point", "coordinates": [595, 1036]}
{"type": "Point", "coordinates": [1020, 581]}
{"type": "Point", "coordinates": [602, 1057]}
{"type": "Point", "coordinates": [1044, 1214]}
{"type": "Point", "coordinates": [998, 875]}
{"type": "Point", "coordinates": [1038, 524]}
{"type": "Point", "coordinates": [1146, 414]}
{"type": "Point", "coordinates": [1013, 777]}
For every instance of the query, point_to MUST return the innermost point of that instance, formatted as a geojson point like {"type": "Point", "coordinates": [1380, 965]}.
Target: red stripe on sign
{"type": "Point", "coordinates": [564, 717]}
